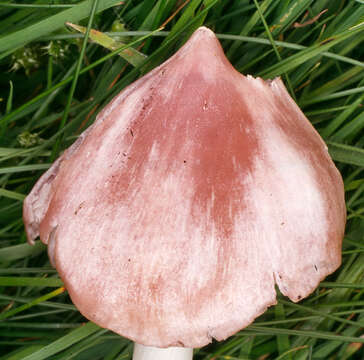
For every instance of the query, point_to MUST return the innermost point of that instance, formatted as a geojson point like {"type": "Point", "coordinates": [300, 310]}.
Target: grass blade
{"type": "Point", "coordinates": [64, 342]}
{"type": "Point", "coordinates": [9, 313]}
{"type": "Point", "coordinates": [76, 13]}
{"type": "Point", "coordinates": [346, 154]}
{"type": "Point", "coordinates": [30, 281]}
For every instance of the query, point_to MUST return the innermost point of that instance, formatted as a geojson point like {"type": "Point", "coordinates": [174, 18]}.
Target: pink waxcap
{"type": "Point", "coordinates": [195, 191]}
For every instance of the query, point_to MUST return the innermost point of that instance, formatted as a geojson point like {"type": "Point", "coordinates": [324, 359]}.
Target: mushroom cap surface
{"type": "Point", "coordinates": [196, 190]}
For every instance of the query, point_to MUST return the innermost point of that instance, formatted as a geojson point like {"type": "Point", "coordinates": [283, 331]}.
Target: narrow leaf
{"type": "Point", "coordinates": [52, 23]}
{"type": "Point", "coordinates": [131, 55]}
{"type": "Point", "coordinates": [30, 281]}
{"type": "Point", "coordinates": [22, 168]}
{"type": "Point", "coordinates": [7, 314]}
{"type": "Point", "coordinates": [346, 154]}
{"type": "Point", "coordinates": [64, 342]}
{"type": "Point", "coordinates": [21, 251]}
{"type": "Point", "coordinates": [9, 103]}
{"type": "Point", "coordinates": [12, 194]}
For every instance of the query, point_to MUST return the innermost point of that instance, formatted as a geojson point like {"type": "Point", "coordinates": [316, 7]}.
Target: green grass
{"type": "Point", "coordinates": [45, 104]}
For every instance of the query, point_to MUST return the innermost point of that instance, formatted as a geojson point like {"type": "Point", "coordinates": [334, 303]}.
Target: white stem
{"type": "Point", "coordinates": [142, 352]}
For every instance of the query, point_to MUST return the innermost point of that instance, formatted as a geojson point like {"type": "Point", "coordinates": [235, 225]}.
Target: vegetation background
{"type": "Point", "coordinates": [53, 82]}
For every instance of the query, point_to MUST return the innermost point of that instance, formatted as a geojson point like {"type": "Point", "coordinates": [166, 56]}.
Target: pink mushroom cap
{"type": "Point", "coordinates": [196, 190]}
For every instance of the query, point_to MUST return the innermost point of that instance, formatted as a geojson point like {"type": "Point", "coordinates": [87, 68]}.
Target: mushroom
{"type": "Point", "coordinates": [196, 190]}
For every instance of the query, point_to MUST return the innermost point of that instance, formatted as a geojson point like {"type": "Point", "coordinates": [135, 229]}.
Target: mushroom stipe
{"type": "Point", "coordinates": [225, 190]}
